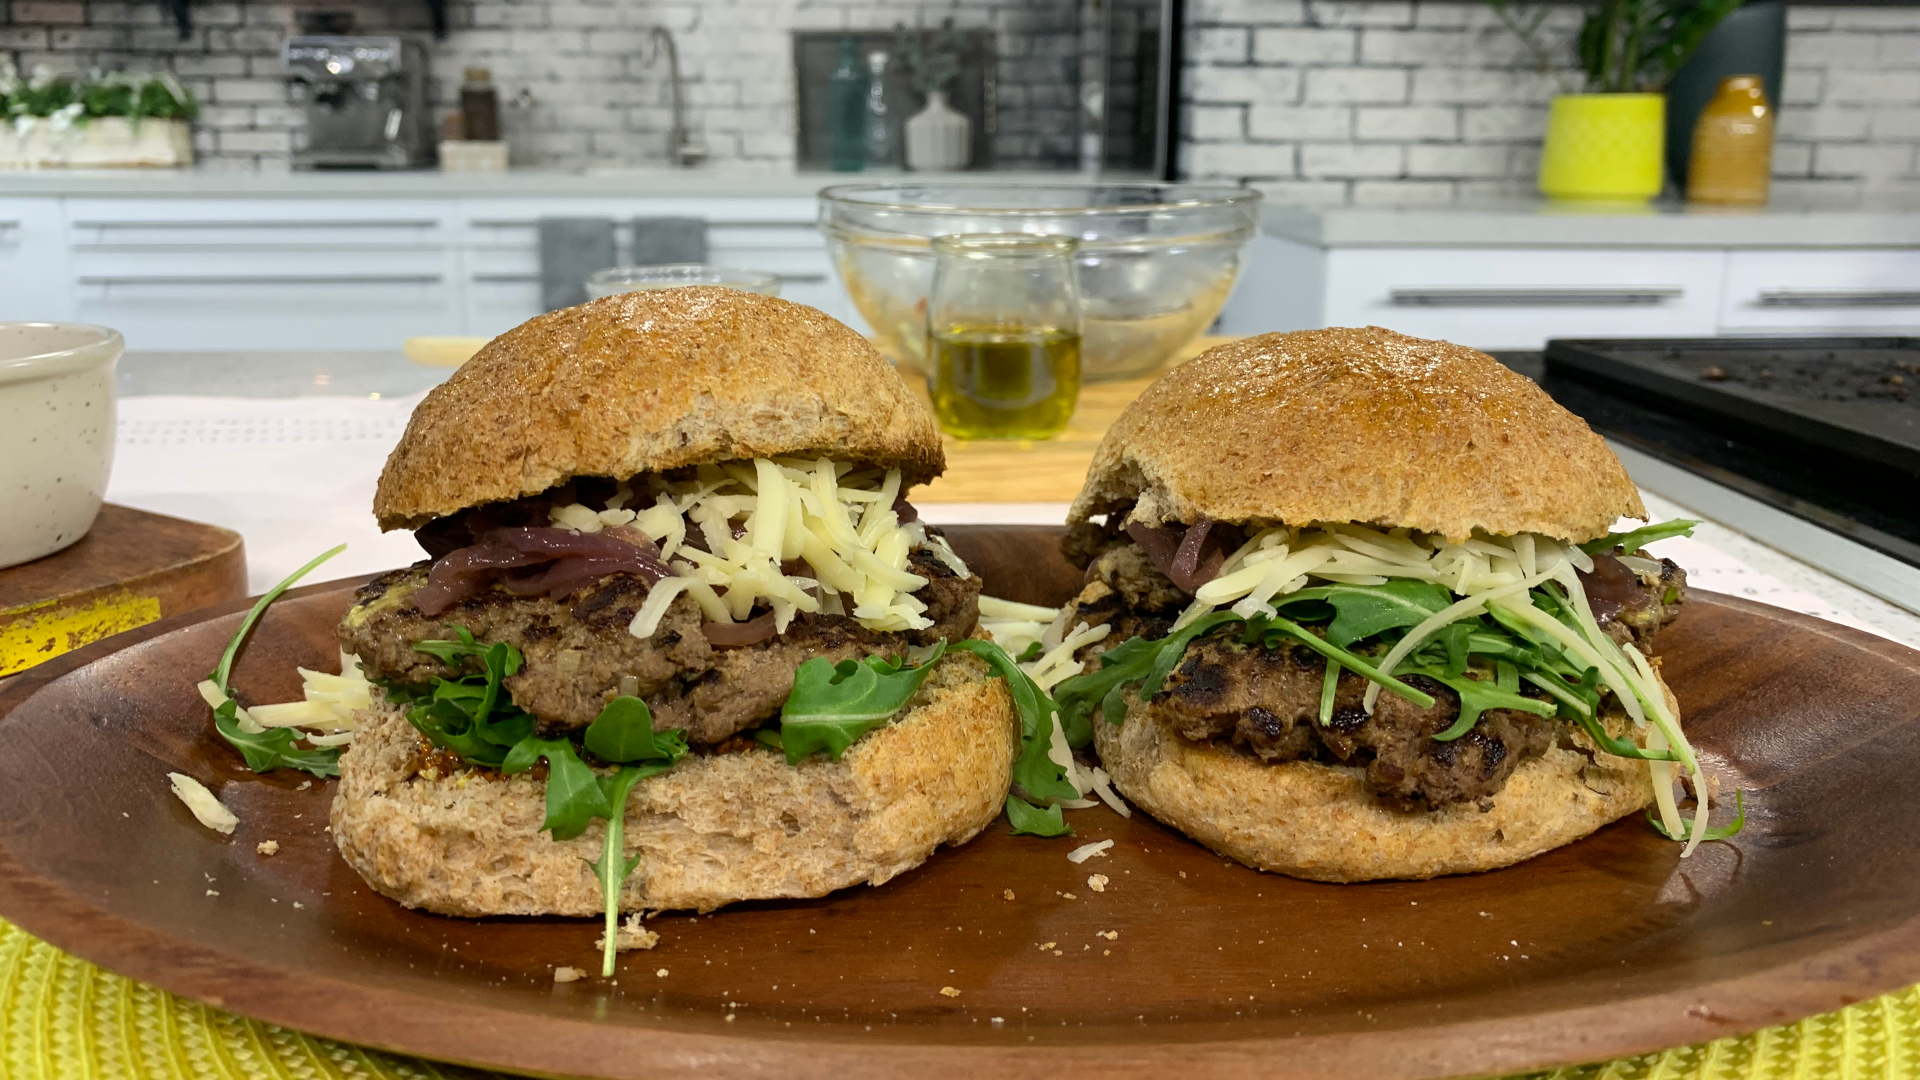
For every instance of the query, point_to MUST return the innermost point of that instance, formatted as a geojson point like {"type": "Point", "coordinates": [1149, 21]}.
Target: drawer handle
{"type": "Point", "coordinates": [375, 223]}
{"type": "Point", "coordinates": [1524, 296]}
{"type": "Point", "coordinates": [801, 279]}
{"type": "Point", "coordinates": [506, 279]}
{"type": "Point", "coordinates": [266, 279]}
{"type": "Point", "coordinates": [1840, 297]}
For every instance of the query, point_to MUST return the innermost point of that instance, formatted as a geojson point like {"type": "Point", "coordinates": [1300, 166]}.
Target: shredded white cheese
{"type": "Point", "coordinates": [757, 518]}
{"type": "Point", "coordinates": [1103, 787]}
{"type": "Point", "coordinates": [1087, 851]}
{"type": "Point", "coordinates": [328, 710]}
{"type": "Point", "coordinates": [208, 810]}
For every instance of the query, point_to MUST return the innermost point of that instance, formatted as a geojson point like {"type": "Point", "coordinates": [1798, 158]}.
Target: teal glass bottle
{"type": "Point", "coordinates": [847, 111]}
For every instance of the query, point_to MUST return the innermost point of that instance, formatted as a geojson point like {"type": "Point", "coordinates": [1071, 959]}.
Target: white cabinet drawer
{"type": "Point", "coordinates": [1516, 299]}
{"type": "Point", "coordinates": [33, 262]}
{"type": "Point", "coordinates": [115, 225]}
{"type": "Point", "coordinates": [1794, 291]}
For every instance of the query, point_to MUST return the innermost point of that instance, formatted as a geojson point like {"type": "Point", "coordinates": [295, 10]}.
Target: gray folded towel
{"type": "Point", "coordinates": [663, 240]}
{"type": "Point", "coordinates": [570, 249]}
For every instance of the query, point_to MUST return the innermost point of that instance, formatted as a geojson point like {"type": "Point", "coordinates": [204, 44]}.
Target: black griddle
{"type": "Point", "coordinates": [1855, 399]}
{"type": "Point", "coordinates": [1824, 434]}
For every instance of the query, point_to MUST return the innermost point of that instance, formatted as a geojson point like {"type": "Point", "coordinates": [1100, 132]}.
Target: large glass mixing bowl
{"type": "Point", "coordinates": [1156, 261]}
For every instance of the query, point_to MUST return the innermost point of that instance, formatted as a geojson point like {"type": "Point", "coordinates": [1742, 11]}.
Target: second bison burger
{"type": "Point", "coordinates": [680, 641]}
{"type": "Point", "coordinates": [1359, 614]}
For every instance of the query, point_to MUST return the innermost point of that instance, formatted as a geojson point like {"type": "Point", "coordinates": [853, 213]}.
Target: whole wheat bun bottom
{"type": "Point", "coordinates": [1317, 821]}
{"type": "Point", "coordinates": [714, 830]}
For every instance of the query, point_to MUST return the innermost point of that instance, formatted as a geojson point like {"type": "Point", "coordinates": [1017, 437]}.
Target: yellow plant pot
{"type": "Point", "coordinates": [1604, 146]}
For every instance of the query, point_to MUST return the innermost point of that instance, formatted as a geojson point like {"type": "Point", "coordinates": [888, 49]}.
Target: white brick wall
{"type": "Point", "coordinates": [1381, 102]}
{"type": "Point", "coordinates": [593, 93]}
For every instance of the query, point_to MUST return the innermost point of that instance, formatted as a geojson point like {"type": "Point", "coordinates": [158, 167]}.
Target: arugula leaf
{"type": "Point", "coordinates": [1635, 539]}
{"type": "Point", "coordinates": [1329, 683]}
{"type": "Point", "coordinates": [1477, 696]}
{"type": "Point", "coordinates": [1033, 651]}
{"type": "Point", "coordinates": [832, 705]}
{"type": "Point", "coordinates": [623, 732]}
{"type": "Point", "coordinates": [471, 715]}
{"type": "Point", "coordinates": [1269, 629]}
{"type": "Point", "coordinates": [1033, 771]}
{"type": "Point", "coordinates": [1366, 610]}
{"type": "Point", "coordinates": [272, 749]}
{"type": "Point", "coordinates": [224, 669]}
{"type": "Point", "coordinates": [769, 737]}
{"type": "Point", "coordinates": [574, 795]}
{"type": "Point", "coordinates": [614, 866]}
{"type": "Point", "coordinates": [1716, 832]}
{"type": "Point", "coordinates": [1030, 820]}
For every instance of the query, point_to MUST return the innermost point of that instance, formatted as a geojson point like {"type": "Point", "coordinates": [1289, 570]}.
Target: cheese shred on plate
{"type": "Point", "coordinates": [821, 537]}
{"type": "Point", "coordinates": [207, 809]}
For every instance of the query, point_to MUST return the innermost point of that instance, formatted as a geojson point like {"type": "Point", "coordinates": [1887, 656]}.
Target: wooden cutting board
{"type": "Point", "coordinates": [1040, 470]}
{"type": "Point", "coordinates": [131, 569]}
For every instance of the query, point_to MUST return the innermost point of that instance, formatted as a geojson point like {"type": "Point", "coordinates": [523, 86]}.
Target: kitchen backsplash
{"type": "Point", "coordinates": [1395, 102]}
{"type": "Point", "coordinates": [579, 81]}
{"type": "Point", "coordinates": [1328, 101]}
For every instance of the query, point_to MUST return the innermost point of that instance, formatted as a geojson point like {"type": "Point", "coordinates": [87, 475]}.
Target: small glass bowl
{"type": "Point", "coordinates": [624, 279]}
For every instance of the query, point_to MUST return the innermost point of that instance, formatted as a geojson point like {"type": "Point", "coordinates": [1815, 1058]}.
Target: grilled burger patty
{"type": "Point", "coordinates": [1266, 702]}
{"type": "Point", "coordinates": [578, 648]}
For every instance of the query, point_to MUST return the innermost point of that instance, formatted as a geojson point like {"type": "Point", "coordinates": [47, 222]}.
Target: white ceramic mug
{"type": "Point", "coordinates": [56, 433]}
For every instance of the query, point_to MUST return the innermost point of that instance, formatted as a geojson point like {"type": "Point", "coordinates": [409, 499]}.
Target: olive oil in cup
{"type": "Point", "coordinates": [1003, 335]}
{"type": "Point", "coordinates": [1004, 382]}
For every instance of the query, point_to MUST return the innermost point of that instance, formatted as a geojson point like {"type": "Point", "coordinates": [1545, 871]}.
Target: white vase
{"type": "Point", "coordinates": [938, 138]}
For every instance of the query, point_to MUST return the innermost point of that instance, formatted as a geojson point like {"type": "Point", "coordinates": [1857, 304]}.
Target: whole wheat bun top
{"type": "Point", "coordinates": [1357, 425]}
{"type": "Point", "coordinates": [647, 381]}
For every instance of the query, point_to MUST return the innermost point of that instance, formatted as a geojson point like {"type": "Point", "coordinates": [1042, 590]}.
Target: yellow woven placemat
{"type": "Point", "coordinates": [62, 1018]}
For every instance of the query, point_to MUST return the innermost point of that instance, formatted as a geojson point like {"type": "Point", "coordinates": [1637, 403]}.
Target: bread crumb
{"type": "Point", "coordinates": [304, 785]}
{"type": "Point", "coordinates": [1110, 935]}
{"type": "Point", "coordinates": [948, 991]}
{"type": "Point", "coordinates": [213, 892]}
{"type": "Point", "coordinates": [1048, 945]}
{"type": "Point", "coordinates": [1008, 894]}
{"type": "Point", "coordinates": [661, 974]}
{"type": "Point", "coordinates": [267, 847]}
{"type": "Point", "coordinates": [1098, 883]}
{"type": "Point", "coordinates": [1183, 873]}
{"type": "Point", "coordinates": [631, 936]}
{"type": "Point", "coordinates": [1059, 952]}
{"type": "Point", "coordinates": [567, 974]}
{"type": "Point", "coordinates": [1069, 896]}
{"type": "Point", "coordinates": [729, 1018]}
{"type": "Point", "coordinates": [299, 905]}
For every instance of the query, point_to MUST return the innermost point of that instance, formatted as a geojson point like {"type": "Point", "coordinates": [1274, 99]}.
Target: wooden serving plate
{"type": "Point", "coordinates": [1609, 946]}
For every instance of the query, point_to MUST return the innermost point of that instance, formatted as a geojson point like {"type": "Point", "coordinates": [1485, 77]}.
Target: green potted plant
{"type": "Point", "coordinates": [104, 120]}
{"type": "Point", "coordinates": [1608, 141]}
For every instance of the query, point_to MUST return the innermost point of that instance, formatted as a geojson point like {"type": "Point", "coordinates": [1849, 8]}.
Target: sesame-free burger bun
{"type": "Point", "coordinates": [648, 381]}
{"type": "Point", "coordinates": [1312, 820]}
{"type": "Point", "coordinates": [716, 829]}
{"type": "Point", "coordinates": [1357, 425]}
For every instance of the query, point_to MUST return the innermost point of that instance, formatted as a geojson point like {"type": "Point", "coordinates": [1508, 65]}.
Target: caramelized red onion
{"type": "Point", "coordinates": [1612, 587]}
{"type": "Point", "coordinates": [1190, 556]}
{"type": "Point", "coordinates": [736, 635]}
{"type": "Point", "coordinates": [563, 560]}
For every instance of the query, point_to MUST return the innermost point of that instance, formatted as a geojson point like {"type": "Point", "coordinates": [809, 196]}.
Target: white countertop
{"type": "Point", "coordinates": [1892, 221]}
{"type": "Point", "coordinates": [701, 182]}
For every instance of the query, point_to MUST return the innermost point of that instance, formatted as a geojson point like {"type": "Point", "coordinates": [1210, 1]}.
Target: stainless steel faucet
{"type": "Point", "coordinates": [682, 149]}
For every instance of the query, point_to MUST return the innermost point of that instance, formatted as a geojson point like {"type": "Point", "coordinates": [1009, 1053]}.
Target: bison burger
{"type": "Point", "coordinates": [680, 641]}
{"type": "Point", "coordinates": [1363, 617]}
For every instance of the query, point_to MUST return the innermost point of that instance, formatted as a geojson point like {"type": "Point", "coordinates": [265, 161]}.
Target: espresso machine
{"type": "Point", "coordinates": [365, 100]}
